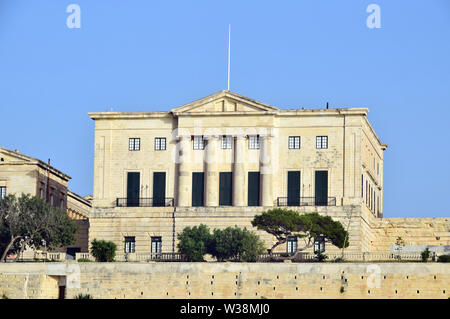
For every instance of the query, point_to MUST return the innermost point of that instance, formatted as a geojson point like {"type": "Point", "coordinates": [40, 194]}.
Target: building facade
{"type": "Point", "coordinates": [20, 173]}
{"type": "Point", "coordinates": [224, 158]}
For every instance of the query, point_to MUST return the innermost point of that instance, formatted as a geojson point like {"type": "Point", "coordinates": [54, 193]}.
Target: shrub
{"type": "Point", "coordinates": [83, 260]}
{"type": "Point", "coordinates": [236, 244]}
{"type": "Point", "coordinates": [194, 242]}
{"type": "Point", "coordinates": [103, 251]}
{"type": "Point", "coordinates": [425, 254]}
{"type": "Point", "coordinates": [321, 257]}
{"type": "Point", "coordinates": [83, 296]}
{"type": "Point", "coordinates": [444, 259]}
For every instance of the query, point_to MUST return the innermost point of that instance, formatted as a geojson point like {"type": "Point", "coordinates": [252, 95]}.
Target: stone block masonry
{"type": "Point", "coordinates": [226, 280]}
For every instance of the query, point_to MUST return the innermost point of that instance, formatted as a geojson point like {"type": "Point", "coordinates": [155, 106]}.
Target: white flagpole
{"type": "Point", "coordinates": [229, 54]}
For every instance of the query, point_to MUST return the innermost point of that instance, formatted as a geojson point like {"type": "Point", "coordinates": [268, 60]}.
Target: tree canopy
{"type": "Point", "coordinates": [234, 243]}
{"type": "Point", "coordinates": [30, 221]}
{"type": "Point", "coordinates": [193, 242]}
{"type": "Point", "coordinates": [282, 223]}
{"type": "Point", "coordinates": [231, 243]}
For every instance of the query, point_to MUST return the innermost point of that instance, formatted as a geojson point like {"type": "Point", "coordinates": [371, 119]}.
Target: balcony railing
{"type": "Point", "coordinates": [144, 202]}
{"type": "Point", "coordinates": [306, 201]}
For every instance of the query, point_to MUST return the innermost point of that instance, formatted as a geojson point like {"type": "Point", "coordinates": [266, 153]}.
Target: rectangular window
{"type": "Point", "coordinates": [51, 200]}
{"type": "Point", "coordinates": [293, 188]}
{"type": "Point", "coordinates": [321, 141]}
{"type": "Point", "coordinates": [291, 244]}
{"type": "Point", "coordinates": [134, 144]}
{"type": "Point", "coordinates": [61, 203]}
{"type": "Point", "coordinates": [367, 191]}
{"type": "Point", "coordinates": [378, 168]}
{"type": "Point", "coordinates": [129, 244]}
{"type": "Point", "coordinates": [253, 142]}
{"type": "Point", "coordinates": [198, 189]}
{"type": "Point", "coordinates": [160, 143]}
{"type": "Point", "coordinates": [294, 142]}
{"type": "Point", "coordinates": [199, 143]}
{"type": "Point", "coordinates": [156, 245]}
{"type": "Point", "coordinates": [159, 189]}
{"type": "Point", "coordinates": [321, 188]}
{"type": "Point", "coordinates": [227, 142]}
{"type": "Point", "coordinates": [133, 188]}
{"type": "Point", "coordinates": [362, 186]}
{"type": "Point", "coordinates": [2, 192]}
{"type": "Point", "coordinates": [225, 188]}
{"type": "Point", "coordinates": [253, 188]}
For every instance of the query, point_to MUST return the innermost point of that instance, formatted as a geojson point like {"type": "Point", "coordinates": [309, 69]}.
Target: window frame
{"type": "Point", "coordinates": [132, 243]}
{"type": "Point", "coordinates": [200, 142]}
{"type": "Point", "coordinates": [255, 145]}
{"type": "Point", "coordinates": [2, 192]}
{"type": "Point", "coordinates": [132, 145]}
{"type": "Point", "coordinates": [158, 144]}
{"type": "Point", "coordinates": [291, 244]}
{"type": "Point", "coordinates": [322, 138]}
{"type": "Point", "coordinates": [294, 140]}
{"type": "Point", "coordinates": [158, 244]}
{"type": "Point", "coordinates": [226, 142]}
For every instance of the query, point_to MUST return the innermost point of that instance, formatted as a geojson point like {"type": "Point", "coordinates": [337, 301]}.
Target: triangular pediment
{"type": "Point", "coordinates": [10, 156]}
{"type": "Point", "coordinates": [226, 102]}
{"type": "Point", "coordinates": [15, 157]}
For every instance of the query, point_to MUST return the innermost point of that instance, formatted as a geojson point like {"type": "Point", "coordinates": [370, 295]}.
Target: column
{"type": "Point", "coordinates": [211, 173]}
{"type": "Point", "coordinates": [239, 171]}
{"type": "Point", "coordinates": [184, 172]}
{"type": "Point", "coordinates": [266, 170]}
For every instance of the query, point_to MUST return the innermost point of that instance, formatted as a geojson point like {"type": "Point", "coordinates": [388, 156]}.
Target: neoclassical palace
{"type": "Point", "coordinates": [224, 158]}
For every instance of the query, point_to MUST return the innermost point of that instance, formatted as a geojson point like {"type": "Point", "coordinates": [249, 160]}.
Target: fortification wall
{"type": "Point", "coordinates": [227, 280]}
{"type": "Point", "coordinates": [414, 231]}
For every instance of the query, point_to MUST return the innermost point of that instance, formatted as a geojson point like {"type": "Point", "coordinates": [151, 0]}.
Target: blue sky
{"type": "Point", "coordinates": [155, 55]}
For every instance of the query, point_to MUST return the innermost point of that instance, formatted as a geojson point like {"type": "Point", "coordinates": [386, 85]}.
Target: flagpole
{"type": "Point", "coordinates": [229, 54]}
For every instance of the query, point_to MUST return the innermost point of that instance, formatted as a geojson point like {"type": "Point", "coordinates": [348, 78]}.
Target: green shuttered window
{"type": "Point", "coordinates": [133, 185]}
{"type": "Point", "coordinates": [293, 190]}
{"type": "Point", "coordinates": [321, 188]}
{"type": "Point", "coordinates": [198, 189]}
{"type": "Point", "coordinates": [159, 188]}
{"type": "Point", "coordinates": [253, 188]}
{"type": "Point", "coordinates": [225, 189]}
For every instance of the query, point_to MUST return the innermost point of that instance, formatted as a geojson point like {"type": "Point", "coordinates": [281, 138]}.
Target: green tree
{"type": "Point", "coordinates": [282, 223]}
{"type": "Point", "coordinates": [28, 221]}
{"type": "Point", "coordinates": [425, 254]}
{"type": "Point", "coordinates": [233, 243]}
{"type": "Point", "coordinates": [103, 251]}
{"type": "Point", "coordinates": [194, 242]}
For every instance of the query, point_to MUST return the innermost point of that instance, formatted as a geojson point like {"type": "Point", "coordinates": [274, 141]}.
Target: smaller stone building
{"type": "Point", "coordinates": [20, 173]}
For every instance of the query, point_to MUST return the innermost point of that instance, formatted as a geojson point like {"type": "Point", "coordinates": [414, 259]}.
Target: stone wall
{"type": "Point", "coordinates": [414, 231]}
{"type": "Point", "coordinates": [227, 280]}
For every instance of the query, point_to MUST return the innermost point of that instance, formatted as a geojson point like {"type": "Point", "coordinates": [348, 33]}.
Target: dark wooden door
{"type": "Point", "coordinates": [133, 186]}
{"type": "Point", "coordinates": [159, 188]}
{"type": "Point", "coordinates": [225, 188]}
{"type": "Point", "coordinates": [253, 188]}
{"type": "Point", "coordinates": [293, 194]}
{"type": "Point", "coordinates": [321, 188]}
{"type": "Point", "coordinates": [198, 189]}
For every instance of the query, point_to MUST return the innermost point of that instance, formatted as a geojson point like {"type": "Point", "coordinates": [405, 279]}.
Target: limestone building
{"type": "Point", "coordinates": [20, 173]}
{"type": "Point", "coordinates": [224, 158]}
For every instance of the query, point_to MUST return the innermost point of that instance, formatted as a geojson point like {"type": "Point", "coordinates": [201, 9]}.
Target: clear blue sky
{"type": "Point", "coordinates": [154, 55]}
